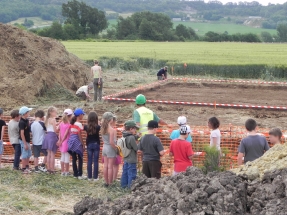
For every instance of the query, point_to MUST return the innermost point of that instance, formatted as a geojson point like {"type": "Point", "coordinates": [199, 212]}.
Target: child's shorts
{"type": "Point", "coordinates": [25, 154]}
{"type": "Point", "coordinates": [1, 147]}
{"type": "Point", "coordinates": [37, 151]}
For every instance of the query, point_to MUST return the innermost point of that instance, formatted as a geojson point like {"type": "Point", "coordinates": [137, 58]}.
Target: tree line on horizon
{"type": "Point", "coordinates": [273, 14]}
{"type": "Point", "coordinates": [83, 21]}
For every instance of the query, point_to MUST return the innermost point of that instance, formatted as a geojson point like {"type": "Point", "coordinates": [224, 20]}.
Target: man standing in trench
{"type": "Point", "coordinates": [96, 72]}
{"type": "Point", "coordinates": [143, 115]}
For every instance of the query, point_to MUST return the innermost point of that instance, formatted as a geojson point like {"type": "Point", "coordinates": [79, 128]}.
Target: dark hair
{"type": "Point", "coordinates": [127, 128]}
{"type": "Point", "coordinates": [276, 132]}
{"type": "Point", "coordinates": [250, 124]}
{"type": "Point", "coordinates": [73, 120]}
{"type": "Point", "coordinates": [39, 113]}
{"type": "Point", "coordinates": [92, 123]}
{"type": "Point", "coordinates": [96, 62]}
{"type": "Point", "coordinates": [14, 114]}
{"type": "Point", "coordinates": [214, 122]}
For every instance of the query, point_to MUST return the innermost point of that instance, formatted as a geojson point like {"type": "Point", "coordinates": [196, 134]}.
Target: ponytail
{"type": "Point", "coordinates": [73, 120]}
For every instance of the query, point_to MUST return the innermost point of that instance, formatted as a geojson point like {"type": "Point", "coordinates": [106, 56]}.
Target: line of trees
{"type": "Point", "coordinates": [83, 21]}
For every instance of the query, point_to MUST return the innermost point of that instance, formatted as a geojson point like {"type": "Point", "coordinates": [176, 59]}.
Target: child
{"type": "Point", "coordinates": [13, 133]}
{"type": "Point", "coordinates": [181, 150]}
{"type": "Point", "coordinates": [275, 135]}
{"type": "Point", "coordinates": [215, 136]}
{"type": "Point", "coordinates": [2, 126]}
{"type": "Point", "coordinates": [63, 145]}
{"type": "Point", "coordinates": [51, 138]}
{"type": "Point", "coordinates": [130, 162]}
{"type": "Point", "coordinates": [176, 133]}
{"type": "Point", "coordinates": [151, 148]}
{"type": "Point", "coordinates": [118, 159]}
{"type": "Point", "coordinates": [93, 145]}
{"type": "Point", "coordinates": [75, 143]}
{"type": "Point", "coordinates": [38, 130]}
{"type": "Point", "coordinates": [253, 146]}
{"type": "Point", "coordinates": [24, 128]}
{"type": "Point", "coordinates": [109, 136]}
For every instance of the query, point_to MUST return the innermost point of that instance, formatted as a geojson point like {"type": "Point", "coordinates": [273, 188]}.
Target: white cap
{"type": "Point", "coordinates": [68, 112]}
{"type": "Point", "coordinates": [185, 129]}
{"type": "Point", "coordinates": [181, 120]}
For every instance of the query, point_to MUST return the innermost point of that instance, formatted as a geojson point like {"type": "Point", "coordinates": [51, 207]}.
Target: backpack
{"type": "Point", "coordinates": [123, 146]}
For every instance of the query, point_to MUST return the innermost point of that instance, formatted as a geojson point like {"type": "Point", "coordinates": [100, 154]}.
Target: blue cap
{"type": "Point", "coordinates": [79, 112]}
{"type": "Point", "coordinates": [24, 110]}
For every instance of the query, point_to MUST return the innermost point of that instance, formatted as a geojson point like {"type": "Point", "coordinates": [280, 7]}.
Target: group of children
{"type": "Point", "coordinates": [45, 140]}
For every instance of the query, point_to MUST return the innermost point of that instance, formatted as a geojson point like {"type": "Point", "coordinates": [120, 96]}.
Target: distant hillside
{"type": "Point", "coordinates": [196, 10]}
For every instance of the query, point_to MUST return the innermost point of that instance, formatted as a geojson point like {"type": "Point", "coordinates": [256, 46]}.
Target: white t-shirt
{"type": "Point", "coordinates": [79, 125]}
{"type": "Point", "coordinates": [215, 133]}
{"type": "Point", "coordinates": [82, 89]}
{"type": "Point", "coordinates": [38, 133]}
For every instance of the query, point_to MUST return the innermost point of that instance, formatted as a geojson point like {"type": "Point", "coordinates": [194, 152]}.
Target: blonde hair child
{"type": "Point", "coordinates": [51, 138]}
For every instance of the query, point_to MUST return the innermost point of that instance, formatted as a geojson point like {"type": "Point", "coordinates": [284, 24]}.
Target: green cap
{"type": "Point", "coordinates": [131, 124]}
{"type": "Point", "coordinates": [108, 115]}
{"type": "Point", "coordinates": [140, 99]}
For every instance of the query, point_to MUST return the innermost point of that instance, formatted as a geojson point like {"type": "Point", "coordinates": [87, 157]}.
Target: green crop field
{"type": "Point", "coordinates": [184, 52]}
{"type": "Point", "coordinates": [202, 28]}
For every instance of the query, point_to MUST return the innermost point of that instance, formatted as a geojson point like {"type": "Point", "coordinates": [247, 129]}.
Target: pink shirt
{"type": "Point", "coordinates": [63, 128]}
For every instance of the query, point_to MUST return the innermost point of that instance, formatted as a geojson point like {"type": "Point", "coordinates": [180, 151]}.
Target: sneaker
{"type": "Point", "coordinates": [17, 168]}
{"type": "Point", "coordinates": [63, 174]}
{"type": "Point", "coordinates": [42, 169]}
{"type": "Point", "coordinates": [90, 179]}
{"type": "Point", "coordinates": [68, 174]}
{"type": "Point", "coordinates": [106, 185]}
{"type": "Point", "coordinates": [26, 171]}
{"type": "Point", "coordinates": [96, 179]}
{"type": "Point", "coordinates": [37, 170]}
{"type": "Point", "coordinates": [82, 177]}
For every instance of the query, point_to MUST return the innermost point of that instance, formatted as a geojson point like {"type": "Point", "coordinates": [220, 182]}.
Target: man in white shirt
{"type": "Point", "coordinates": [83, 92]}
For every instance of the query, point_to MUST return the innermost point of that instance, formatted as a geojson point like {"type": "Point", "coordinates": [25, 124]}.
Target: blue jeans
{"type": "Point", "coordinates": [17, 155]}
{"type": "Point", "coordinates": [93, 157]}
{"type": "Point", "coordinates": [129, 174]}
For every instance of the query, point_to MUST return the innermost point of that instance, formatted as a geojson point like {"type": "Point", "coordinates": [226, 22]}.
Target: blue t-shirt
{"type": "Point", "coordinates": [175, 134]}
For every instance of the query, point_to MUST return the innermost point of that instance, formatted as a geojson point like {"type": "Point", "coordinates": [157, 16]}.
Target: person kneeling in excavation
{"type": "Point", "coordinates": [182, 151]}
{"type": "Point", "coordinates": [151, 148]}
{"type": "Point", "coordinates": [83, 92]}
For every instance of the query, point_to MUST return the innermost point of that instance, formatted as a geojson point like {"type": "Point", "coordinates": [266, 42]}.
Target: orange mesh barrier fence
{"type": "Point", "coordinates": [230, 140]}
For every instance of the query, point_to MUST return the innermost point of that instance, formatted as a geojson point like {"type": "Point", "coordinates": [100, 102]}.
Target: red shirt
{"type": "Point", "coordinates": [181, 150]}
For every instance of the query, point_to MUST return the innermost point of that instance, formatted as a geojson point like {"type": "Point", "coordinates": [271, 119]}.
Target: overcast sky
{"type": "Point", "coordinates": [264, 2]}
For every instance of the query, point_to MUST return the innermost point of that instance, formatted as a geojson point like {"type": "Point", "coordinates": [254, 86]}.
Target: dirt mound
{"type": "Point", "coordinates": [30, 65]}
{"type": "Point", "coordinates": [273, 159]}
{"type": "Point", "coordinates": [194, 193]}
{"type": "Point", "coordinates": [188, 193]}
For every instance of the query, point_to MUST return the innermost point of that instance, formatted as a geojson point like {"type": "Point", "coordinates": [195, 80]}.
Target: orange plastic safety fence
{"type": "Point", "coordinates": [230, 140]}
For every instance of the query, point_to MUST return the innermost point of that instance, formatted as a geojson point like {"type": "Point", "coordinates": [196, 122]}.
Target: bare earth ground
{"type": "Point", "coordinates": [116, 81]}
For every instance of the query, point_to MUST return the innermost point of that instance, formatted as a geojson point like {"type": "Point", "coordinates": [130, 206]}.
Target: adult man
{"type": "Point", "coordinates": [151, 148]}
{"type": "Point", "coordinates": [162, 74]}
{"type": "Point", "coordinates": [143, 115]}
{"type": "Point", "coordinates": [96, 72]}
{"type": "Point", "coordinates": [83, 92]}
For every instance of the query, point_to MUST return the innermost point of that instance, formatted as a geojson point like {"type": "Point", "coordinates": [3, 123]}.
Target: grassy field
{"type": "Point", "coordinates": [203, 28]}
{"type": "Point", "coordinates": [192, 52]}
{"type": "Point", "coordinates": [221, 28]}
{"type": "Point", "coordinates": [38, 22]}
{"type": "Point", "coordinates": [47, 194]}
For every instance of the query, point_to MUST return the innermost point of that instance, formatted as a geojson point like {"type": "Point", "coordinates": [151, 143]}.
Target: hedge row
{"type": "Point", "coordinates": [266, 72]}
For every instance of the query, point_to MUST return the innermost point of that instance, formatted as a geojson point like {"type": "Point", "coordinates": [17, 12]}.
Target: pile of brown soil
{"type": "Point", "coordinates": [31, 65]}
